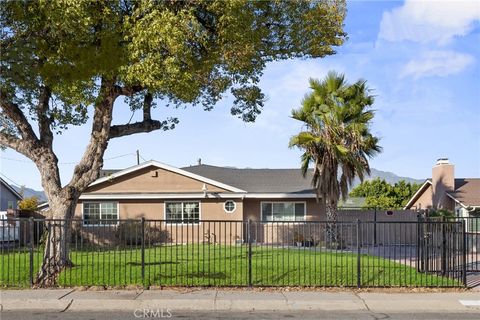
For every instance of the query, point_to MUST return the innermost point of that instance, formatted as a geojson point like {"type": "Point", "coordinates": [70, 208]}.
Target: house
{"type": "Point", "coordinates": [154, 190]}
{"type": "Point", "coordinates": [9, 197]}
{"type": "Point", "coordinates": [444, 191]}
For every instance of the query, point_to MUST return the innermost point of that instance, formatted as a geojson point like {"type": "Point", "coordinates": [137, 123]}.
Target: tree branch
{"type": "Point", "coordinates": [14, 143]}
{"type": "Point", "coordinates": [13, 112]}
{"type": "Point", "coordinates": [137, 127]}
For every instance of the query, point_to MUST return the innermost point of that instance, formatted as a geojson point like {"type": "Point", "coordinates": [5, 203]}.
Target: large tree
{"type": "Point", "coordinates": [381, 194]}
{"type": "Point", "coordinates": [336, 137]}
{"type": "Point", "coordinates": [62, 61]}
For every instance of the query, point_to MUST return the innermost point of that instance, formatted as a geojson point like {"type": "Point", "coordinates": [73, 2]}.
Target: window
{"type": "Point", "coordinates": [182, 212]}
{"type": "Point", "coordinates": [229, 206]}
{"type": "Point", "coordinates": [10, 205]}
{"type": "Point", "coordinates": [283, 211]}
{"type": "Point", "coordinates": [100, 213]}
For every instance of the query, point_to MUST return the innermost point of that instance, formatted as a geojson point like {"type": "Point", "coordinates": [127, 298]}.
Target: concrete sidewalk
{"type": "Point", "coordinates": [62, 300]}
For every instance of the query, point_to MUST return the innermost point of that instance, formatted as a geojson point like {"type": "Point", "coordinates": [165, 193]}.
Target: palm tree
{"type": "Point", "coordinates": [336, 137]}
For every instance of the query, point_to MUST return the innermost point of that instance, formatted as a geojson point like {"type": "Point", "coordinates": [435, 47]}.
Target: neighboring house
{"type": "Point", "coordinates": [8, 196]}
{"type": "Point", "coordinates": [154, 190]}
{"type": "Point", "coordinates": [444, 191]}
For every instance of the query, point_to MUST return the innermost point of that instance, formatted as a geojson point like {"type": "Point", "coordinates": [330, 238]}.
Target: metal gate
{"type": "Point", "coordinates": [441, 247]}
{"type": "Point", "coordinates": [446, 244]}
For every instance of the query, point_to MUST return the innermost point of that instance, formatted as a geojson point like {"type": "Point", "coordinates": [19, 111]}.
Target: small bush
{"type": "Point", "coordinates": [130, 233]}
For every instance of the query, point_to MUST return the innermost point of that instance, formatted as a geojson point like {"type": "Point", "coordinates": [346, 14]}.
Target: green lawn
{"type": "Point", "coordinates": [220, 265]}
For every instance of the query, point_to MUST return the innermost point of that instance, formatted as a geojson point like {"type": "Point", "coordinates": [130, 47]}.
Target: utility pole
{"type": "Point", "coordinates": [138, 157]}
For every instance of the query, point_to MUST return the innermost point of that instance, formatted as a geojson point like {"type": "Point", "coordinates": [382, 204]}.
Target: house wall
{"type": "Point", "coordinates": [215, 230]}
{"type": "Point", "coordinates": [210, 209]}
{"type": "Point", "coordinates": [5, 196]}
{"type": "Point", "coordinates": [425, 199]}
{"type": "Point", "coordinates": [315, 210]}
{"type": "Point", "coordinates": [152, 179]}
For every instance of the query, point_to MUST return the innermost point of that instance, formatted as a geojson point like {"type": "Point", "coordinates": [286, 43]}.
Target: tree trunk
{"type": "Point", "coordinates": [56, 254]}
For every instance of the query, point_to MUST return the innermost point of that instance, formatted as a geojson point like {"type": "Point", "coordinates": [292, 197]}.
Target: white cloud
{"type": "Point", "coordinates": [429, 21]}
{"type": "Point", "coordinates": [437, 63]}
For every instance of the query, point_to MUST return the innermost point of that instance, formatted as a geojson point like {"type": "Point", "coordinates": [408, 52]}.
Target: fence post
{"type": "Point", "coordinates": [142, 233]}
{"type": "Point", "coordinates": [375, 227]}
{"type": "Point", "coordinates": [249, 239]}
{"type": "Point", "coordinates": [444, 247]}
{"type": "Point", "coordinates": [359, 269]}
{"type": "Point", "coordinates": [464, 253]}
{"type": "Point", "coordinates": [420, 260]}
{"type": "Point", "coordinates": [31, 238]}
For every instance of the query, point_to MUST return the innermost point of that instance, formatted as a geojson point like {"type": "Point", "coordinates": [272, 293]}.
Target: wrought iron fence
{"type": "Point", "coordinates": [239, 253]}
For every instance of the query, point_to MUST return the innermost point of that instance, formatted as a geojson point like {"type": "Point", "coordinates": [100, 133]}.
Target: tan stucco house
{"type": "Point", "coordinates": [154, 190]}
{"type": "Point", "coordinates": [444, 191]}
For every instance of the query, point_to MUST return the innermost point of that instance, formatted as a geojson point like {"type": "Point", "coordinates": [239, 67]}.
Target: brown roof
{"type": "Point", "coordinates": [467, 191]}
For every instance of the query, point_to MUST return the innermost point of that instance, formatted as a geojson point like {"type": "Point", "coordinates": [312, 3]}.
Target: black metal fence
{"type": "Point", "coordinates": [239, 253]}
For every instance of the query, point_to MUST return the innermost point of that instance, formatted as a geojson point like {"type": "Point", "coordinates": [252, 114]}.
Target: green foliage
{"type": "Point", "coordinates": [379, 193]}
{"type": "Point", "coordinates": [181, 52]}
{"type": "Point", "coordinates": [337, 138]}
{"type": "Point", "coordinates": [441, 213]}
{"type": "Point", "coordinates": [29, 203]}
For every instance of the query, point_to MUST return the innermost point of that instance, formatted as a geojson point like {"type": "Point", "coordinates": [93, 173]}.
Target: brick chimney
{"type": "Point", "coordinates": [443, 179]}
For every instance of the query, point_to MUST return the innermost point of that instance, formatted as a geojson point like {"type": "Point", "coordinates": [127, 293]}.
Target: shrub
{"type": "Point", "coordinates": [130, 233]}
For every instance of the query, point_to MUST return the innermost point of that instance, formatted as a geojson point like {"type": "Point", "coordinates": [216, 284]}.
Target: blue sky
{"type": "Point", "coordinates": [421, 59]}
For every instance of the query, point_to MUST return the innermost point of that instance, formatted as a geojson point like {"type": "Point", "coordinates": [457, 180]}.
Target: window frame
{"type": "Point", "coordinates": [170, 222]}
{"type": "Point", "coordinates": [290, 221]}
{"type": "Point", "coordinates": [100, 225]}
{"type": "Point", "coordinates": [234, 206]}
{"type": "Point", "coordinates": [12, 203]}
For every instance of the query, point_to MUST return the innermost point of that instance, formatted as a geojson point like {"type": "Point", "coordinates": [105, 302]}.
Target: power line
{"type": "Point", "coordinates": [15, 183]}
{"type": "Point", "coordinates": [67, 163]}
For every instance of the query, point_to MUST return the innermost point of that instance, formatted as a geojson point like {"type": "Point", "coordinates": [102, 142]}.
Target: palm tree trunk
{"type": "Point", "coordinates": [333, 234]}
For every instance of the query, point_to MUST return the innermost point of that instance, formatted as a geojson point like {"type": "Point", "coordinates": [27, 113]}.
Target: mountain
{"type": "Point", "coordinates": [28, 192]}
{"type": "Point", "coordinates": [389, 177]}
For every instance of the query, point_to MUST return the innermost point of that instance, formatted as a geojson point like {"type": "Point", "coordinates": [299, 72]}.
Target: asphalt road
{"type": "Point", "coordinates": [304, 315]}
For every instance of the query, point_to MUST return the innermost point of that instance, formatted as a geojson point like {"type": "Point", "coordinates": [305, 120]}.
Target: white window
{"type": "Point", "coordinates": [283, 211]}
{"type": "Point", "coordinates": [10, 204]}
{"type": "Point", "coordinates": [100, 213]}
{"type": "Point", "coordinates": [229, 206]}
{"type": "Point", "coordinates": [182, 212]}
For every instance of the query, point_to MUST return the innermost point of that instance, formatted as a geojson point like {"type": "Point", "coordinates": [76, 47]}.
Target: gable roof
{"type": "Point", "coordinates": [266, 181]}
{"type": "Point", "coordinates": [11, 189]}
{"type": "Point", "coordinates": [417, 194]}
{"type": "Point", "coordinates": [112, 174]}
{"type": "Point", "coordinates": [467, 192]}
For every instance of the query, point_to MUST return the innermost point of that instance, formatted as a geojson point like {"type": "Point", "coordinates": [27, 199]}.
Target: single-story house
{"type": "Point", "coordinates": [155, 190]}
{"type": "Point", "coordinates": [9, 197]}
{"type": "Point", "coordinates": [444, 191]}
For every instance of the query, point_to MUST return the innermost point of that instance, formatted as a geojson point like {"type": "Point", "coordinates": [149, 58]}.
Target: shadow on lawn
{"type": "Point", "coordinates": [159, 263]}
{"type": "Point", "coordinates": [203, 275]}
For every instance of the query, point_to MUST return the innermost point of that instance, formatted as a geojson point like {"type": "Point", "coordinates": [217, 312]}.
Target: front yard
{"type": "Point", "coordinates": [221, 265]}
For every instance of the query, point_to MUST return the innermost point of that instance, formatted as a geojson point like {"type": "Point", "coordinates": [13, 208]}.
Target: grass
{"type": "Point", "coordinates": [221, 265]}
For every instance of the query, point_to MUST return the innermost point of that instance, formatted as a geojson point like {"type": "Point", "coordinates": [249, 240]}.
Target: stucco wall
{"type": "Point", "coordinates": [152, 179]}
{"type": "Point", "coordinates": [315, 210]}
{"type": "Point", "coordinates": [210, 209]}
{"type": "Point", "coordinates": [425, 199]}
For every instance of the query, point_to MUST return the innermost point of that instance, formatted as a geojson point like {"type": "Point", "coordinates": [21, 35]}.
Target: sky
{"type": "Point", "coordinates": [421, 58]}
